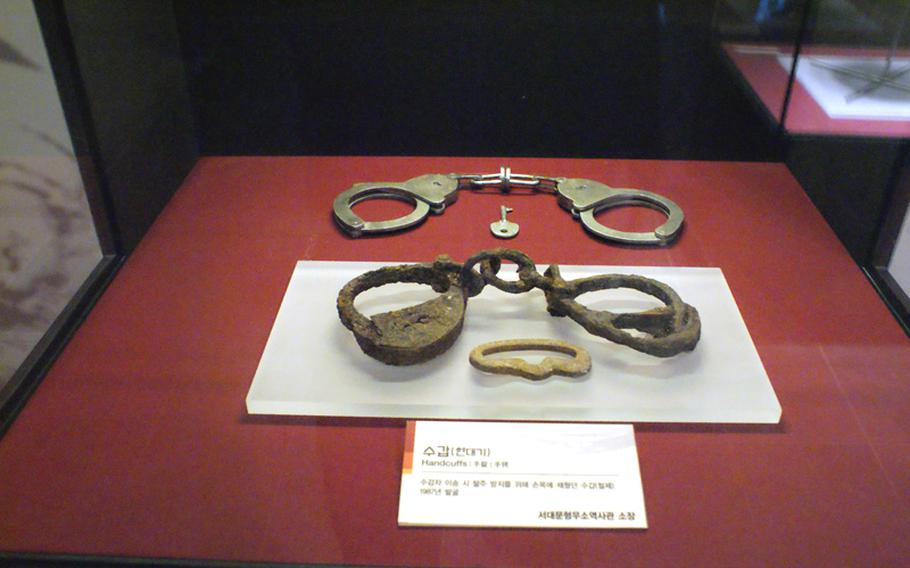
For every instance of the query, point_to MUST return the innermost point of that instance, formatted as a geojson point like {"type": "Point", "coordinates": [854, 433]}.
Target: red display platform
{"type": "Point", "coordinates": [137, 442]}
{"type": "Point", "coordinates": [768, 80]}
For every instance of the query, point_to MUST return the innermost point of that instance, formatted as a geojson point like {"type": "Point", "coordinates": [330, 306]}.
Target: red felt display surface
{"type": "Point", "coordinates": [768, 79]}
{"type": "Point", "coordinates": [137, 442]}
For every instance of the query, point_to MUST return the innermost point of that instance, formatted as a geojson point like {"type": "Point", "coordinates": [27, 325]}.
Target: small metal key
{"type": "Point", "coordinates": [504, 229]}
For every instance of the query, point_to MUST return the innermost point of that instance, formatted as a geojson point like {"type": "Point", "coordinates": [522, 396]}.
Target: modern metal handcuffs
{"type": "Point", "coordinates": [418, 333]}
{"type": "Point", "coordinates": [583, 198]}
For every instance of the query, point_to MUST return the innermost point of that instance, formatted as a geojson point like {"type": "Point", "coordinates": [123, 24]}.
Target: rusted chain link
{"type": "Point", "coordinates": [419, 333]}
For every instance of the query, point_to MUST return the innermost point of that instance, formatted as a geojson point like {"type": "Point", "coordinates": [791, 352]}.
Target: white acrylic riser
{"type": "Point", "coordinates": [312, 365]}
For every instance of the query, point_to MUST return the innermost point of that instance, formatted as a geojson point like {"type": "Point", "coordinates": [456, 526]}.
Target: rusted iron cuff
{"type": "Point", "coordinates": [413, 334]}
{"type": "Point", "coordinates": [669, 330]}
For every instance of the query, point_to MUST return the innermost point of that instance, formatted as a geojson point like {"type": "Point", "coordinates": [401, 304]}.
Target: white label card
{"type": "Point", "coordinates": [507, 474]}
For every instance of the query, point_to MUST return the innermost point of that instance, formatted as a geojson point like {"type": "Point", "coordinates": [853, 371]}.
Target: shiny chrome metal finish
{"type": "Point", "coordinates": [584, 198]}
{"type": "Point", "coordinates": [431, 192]}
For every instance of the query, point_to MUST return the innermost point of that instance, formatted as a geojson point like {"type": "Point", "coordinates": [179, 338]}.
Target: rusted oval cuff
{"type": "Point", "coordinates": [411, 335]}
{"type": "Point", "coordinates": [577, 366]}
{"type": "Point", "coordinates": [670, 330]}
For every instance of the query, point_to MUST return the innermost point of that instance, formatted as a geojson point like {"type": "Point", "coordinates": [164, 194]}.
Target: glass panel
{"type": "Point", "coordinates": [48, 244]}
{"type": "Point", "coordinates": [759, 37]}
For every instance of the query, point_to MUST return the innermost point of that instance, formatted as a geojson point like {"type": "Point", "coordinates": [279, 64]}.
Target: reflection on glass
{"type": "Point", "coordinates": [759, 37]}
{"type": "Point", "coordinates": [48, 244]}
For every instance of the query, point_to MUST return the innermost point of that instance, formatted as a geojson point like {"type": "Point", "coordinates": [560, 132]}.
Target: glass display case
{"type": "Point", "coordinates": [318, 217]}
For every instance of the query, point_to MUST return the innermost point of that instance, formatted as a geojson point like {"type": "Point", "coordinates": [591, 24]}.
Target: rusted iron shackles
{"type": "Point", "coordinates": [418, 333]}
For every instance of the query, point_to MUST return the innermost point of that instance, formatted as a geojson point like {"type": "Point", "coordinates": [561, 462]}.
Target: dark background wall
{"type": "Point", "coordinates": [134, 83]}
{"type": "Point", "coordinates": [618, 79]}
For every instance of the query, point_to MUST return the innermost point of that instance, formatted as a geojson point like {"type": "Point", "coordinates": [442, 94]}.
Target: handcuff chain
{"type": "Point", "coordinates": [505, 180]}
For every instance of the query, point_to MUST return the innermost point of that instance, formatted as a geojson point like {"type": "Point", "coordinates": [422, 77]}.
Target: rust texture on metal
{"type": "Point", "coordinates": [578, 365]}
{"type": "Point", "coordinates": [419, 333]}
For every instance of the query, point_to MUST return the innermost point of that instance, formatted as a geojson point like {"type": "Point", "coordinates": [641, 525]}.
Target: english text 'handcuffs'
{"type": "Point", "coordinates": [583, 198]}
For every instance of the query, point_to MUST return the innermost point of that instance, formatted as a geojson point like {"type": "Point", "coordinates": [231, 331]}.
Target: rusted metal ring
{"type": "Point", "coordinates": [489, 260]}
{"type": "Point", "coordinates": [413, 334]}
{"type": "Point", "coordinates": [578, 365]}
{"type": "Point", "coordinates": [470, 280]}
